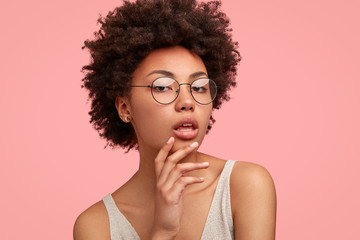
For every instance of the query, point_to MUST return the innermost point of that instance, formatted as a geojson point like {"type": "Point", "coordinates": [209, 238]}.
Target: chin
{"type": "Point", "coordinates": [180, 143]}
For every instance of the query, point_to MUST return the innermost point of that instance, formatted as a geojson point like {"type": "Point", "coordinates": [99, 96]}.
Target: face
{"type": "Point", "coordinates": [184, 119]}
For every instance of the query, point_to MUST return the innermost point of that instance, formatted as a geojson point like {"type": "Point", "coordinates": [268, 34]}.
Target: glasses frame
{"type": "Point", "coordinates": [178, 91]}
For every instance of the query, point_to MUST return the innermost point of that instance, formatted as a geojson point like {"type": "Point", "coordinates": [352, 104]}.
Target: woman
{"type": "Point", "coordinates": [159, 69]}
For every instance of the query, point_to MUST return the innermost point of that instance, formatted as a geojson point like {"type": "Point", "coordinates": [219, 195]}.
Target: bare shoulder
{"type": "Point", "coordinates": [253, 201]}
{"type": "Point", "coordinates": [250, 175]}
{"type": "Point", "coordinates": [92, 224]}
{"type": "Point", "coordinates": [250, 180]}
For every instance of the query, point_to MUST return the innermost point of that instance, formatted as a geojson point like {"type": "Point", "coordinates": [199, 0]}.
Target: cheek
{"type": "Point", "coordinates": [152, 124]}
{"type": "Point", "coordinates": [204, 113]}
{"type": "Point", "coordinates": [205, 119]}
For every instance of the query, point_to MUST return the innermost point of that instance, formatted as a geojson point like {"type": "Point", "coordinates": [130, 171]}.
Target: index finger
{"type": "Point", "coordinates": [162, 155]}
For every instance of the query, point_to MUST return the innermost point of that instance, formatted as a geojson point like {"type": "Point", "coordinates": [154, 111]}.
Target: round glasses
{"type": "Point", "coordinates": [165, 90]}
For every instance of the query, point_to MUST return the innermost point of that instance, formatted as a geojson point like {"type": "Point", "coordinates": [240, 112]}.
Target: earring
{"type": "Point", "coordinates": [127, 119]}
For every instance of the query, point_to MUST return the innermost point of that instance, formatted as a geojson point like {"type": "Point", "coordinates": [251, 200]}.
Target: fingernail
{"type": "Point", "coordinates": [201, 178]}
{"type": "Point", "coordinates": [205, 163]}
{"type": "Point", "coordinates": [194, 144]}
{"type": "Point", "coordinates": [170, 140]}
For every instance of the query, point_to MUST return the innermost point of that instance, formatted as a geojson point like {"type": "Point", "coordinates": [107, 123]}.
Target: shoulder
{"type": "Point", "coordinates": [250, 180]}
{"type": "Point", "coordinates": [253, 201]}
{"type": "Point", "coordinates": [250, 174]}
{"type": "Point", "coordinates": [92, 224]}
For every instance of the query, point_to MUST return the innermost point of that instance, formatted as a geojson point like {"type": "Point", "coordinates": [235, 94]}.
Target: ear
{"type": "Point", "coordinates": [122, 105]}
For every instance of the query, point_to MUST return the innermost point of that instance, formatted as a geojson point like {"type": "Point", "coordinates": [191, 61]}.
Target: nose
{"type": "Point", "coordinates": [185, 101]}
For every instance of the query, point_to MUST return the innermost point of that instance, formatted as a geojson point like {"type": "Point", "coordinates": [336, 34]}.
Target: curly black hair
{"type": "Point", "coordinates": [130, 32]}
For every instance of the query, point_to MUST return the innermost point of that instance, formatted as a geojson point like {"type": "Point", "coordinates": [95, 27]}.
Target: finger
{"type": "Point", "coordinates": [162, 155]}
{"type": "Point", "coordinates": [180, 154]}
{"type": "Point", "coordinates": [173, 159]}
{"type": "Point", "coordinates": [174, 194]}
{"type": "Point", "coordinates": [180, 169]}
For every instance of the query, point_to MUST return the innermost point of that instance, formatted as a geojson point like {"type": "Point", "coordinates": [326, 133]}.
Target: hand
{"type": "Point", "coordinates": [171, 182]}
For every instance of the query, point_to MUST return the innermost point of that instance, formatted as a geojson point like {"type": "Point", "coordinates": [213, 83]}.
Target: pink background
{"type": "Point", "coordinates": [295, 111]}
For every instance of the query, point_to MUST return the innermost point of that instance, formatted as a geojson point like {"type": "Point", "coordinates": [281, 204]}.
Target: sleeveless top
{"type": "Point", "coordinates": [218, 225]}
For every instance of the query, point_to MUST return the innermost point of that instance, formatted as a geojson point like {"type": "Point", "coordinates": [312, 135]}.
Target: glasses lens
{"type": "Point", "coordinates": [203, 90]}
{"type": "Point", "coordinates": [164, 90]}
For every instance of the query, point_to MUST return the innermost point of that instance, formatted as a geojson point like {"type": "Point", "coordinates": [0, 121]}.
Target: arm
{"type": "Point", "coordinates": [254, 202]}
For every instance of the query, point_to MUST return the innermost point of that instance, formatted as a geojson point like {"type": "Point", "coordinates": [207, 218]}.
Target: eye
{"type": "Point", "coordinates": [199, 89]}
{"type": "Point", "coordinates": [200, 85]}
{"type": "Point", "coordinates": [162, 88]}
{"type": "Point", "coordinates": [163, 85]}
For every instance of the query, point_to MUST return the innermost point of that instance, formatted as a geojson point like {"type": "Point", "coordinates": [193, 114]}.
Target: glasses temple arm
{"type": "Point", "coordinates": [149, 86]}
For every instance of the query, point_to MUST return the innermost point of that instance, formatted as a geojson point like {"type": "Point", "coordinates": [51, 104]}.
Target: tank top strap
{"type": "Point", "coordinates": [219, 223]}
{"type": "Point", "coordinates": [120, 227]}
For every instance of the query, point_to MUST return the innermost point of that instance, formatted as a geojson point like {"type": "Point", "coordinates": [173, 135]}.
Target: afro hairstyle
{"type": "Point", "coordinates": [130, 32]}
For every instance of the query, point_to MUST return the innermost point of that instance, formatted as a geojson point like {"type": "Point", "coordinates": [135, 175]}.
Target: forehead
{"type": "Point", "coordinates": [177, 60]}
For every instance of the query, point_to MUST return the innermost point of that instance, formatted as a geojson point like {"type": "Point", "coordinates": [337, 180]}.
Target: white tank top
{"type": "Point", "coordinates": [219, 222]}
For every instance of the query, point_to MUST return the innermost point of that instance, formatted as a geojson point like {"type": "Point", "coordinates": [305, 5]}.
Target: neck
{"type": "Point", "coordinates": [146, 173]}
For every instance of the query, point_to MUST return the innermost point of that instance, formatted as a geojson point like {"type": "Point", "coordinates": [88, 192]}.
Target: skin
{"type": "Point", "coordinates": [175, 200]}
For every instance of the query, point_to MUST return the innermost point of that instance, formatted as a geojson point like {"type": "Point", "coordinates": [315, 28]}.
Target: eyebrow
{"type": "Point", "coordinates": [198, 74]}
{"type": "Point", "coordinates": [170, 74]}
{"type": "Point", "coordinates": [163, 72]}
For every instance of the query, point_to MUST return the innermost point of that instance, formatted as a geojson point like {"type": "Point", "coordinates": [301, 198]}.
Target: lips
{"type": "Point", "coordinates": [186, 129]}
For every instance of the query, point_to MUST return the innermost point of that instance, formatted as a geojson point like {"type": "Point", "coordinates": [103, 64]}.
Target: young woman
{"type": "Point", "coordinates": [158, 70]}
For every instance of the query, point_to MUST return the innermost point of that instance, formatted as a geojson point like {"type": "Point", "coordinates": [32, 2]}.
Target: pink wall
{"type": "Point", "coordinates": [295, 111]}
